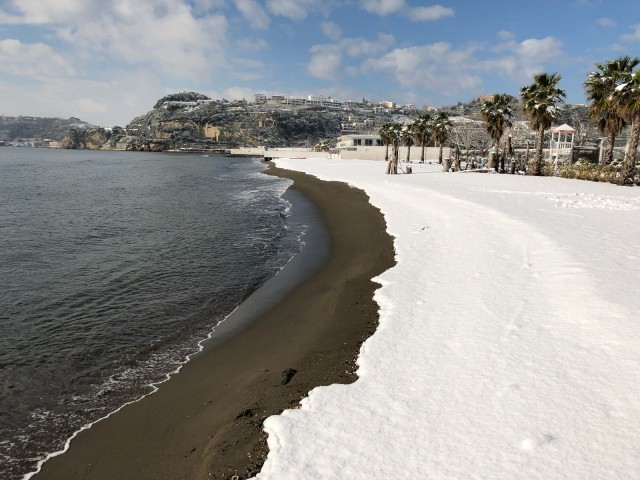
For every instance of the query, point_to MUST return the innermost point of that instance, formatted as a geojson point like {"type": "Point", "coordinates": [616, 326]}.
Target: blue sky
{"type": "Point", "coordinates": [108, 61]}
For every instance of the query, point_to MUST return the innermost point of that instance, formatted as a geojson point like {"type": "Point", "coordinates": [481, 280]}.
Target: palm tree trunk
{"type": "Point", "coordinates": [422, 154]}
{"type": "Point", "coordinates": [387, 159]}
{"type": "Point", "coordinates": [408, 153]}
{"type": "Point", "coordinates": [456, 159]}
{"type": "Point", "coordinates": [440, 154]}
{"type": "Point", "coordinates": [608, 153]}
{"type": "Point", "coordinates": [628, 171]}
{"type": "Point", "coordinates": [536, 167]}
{"type": "Point", "coordinates": [396, 155]}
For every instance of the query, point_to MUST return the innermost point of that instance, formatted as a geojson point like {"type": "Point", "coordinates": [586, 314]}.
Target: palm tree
{"type": "Point", "coordinates": [421, 129]}
{"type": "Point", "coordinates": [600, 87]}
{"type": "Point", "coordinates": [497, 114]}
{"type": "Point", "coordinates": [390, 135]}
{"type": "Point", "coordinates": [385, 136]}
{"type": "Point", "coordinates": [396, 136]}
{"type": "Point", "coordinates": [441, 127]}
{"type": "Point", "coordinates": [407, 139]}
{"type": "Point", "coordinates": [626, 101]}
{"type": "Point", "coordinates": [540, 102]}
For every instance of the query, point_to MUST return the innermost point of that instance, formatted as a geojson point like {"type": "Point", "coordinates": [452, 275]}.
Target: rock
{"type": "Point", "coordinates": [287, 375]}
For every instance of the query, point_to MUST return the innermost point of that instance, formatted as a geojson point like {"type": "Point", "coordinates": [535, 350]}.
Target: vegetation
{"type": "Point", "coordinates": [181, 97]}
{"type": "Point", "coordinates": [390, 133]}
{"type": "Point", "coordinates": [496, 114]}
{"type": "Point", "coordinates": [17, 128]}
{"type": "Point", "coordinates": [408, 140]}
{"type": "Point", "coordinates": [540, 102]}
{"type": "Point", "coordinates": [600, 88]}
{"type": "Point", "coordinates": [421, 129]}
{"type": "Point", "coordinates": [626, 101]}
{"type": "Point", "coordinates": [441, 128]}
{"type": "Point", "coordinates": [585, 171]}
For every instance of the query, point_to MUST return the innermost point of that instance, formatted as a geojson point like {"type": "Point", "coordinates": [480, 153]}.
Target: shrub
{"type": "Point", "coordinates": [585, 170]}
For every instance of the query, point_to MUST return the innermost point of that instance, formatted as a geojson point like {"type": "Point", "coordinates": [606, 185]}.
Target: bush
{"type": "Point", "coordinates": [585, 170]}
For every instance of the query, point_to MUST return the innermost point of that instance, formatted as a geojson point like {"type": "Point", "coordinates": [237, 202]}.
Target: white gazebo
{"type": "Point", "coordinates": [561, 145]}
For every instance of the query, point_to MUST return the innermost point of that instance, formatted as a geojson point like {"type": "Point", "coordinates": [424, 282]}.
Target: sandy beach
{"type": "Point", "coordinates": [206, 421]}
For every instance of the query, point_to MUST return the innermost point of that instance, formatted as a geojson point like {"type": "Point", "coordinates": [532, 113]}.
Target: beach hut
{"type": "Point", "coordinates": [561, 145]}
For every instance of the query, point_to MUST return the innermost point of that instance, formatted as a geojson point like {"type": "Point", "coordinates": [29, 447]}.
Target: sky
{"type": "Point", "coordinates": [109, 61]}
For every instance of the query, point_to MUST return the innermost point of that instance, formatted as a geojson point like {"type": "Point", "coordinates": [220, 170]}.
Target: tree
{"type": "Point", "coordinates": [496, 114]}
{"type": "Point", "coordinates": [385, 137]}
{"type": "Point", "coordinates": [472, 137]}
{"type": "Point", "coordinates": [441, 127]}
{"type": "Point", "coordinates": [626, 101]}
{"type": "Point", "coordinates": [600, 88]}
{"type": "Point", "coordinates": [407, 139]}
{"type": "Point", "coordinates": [390, 135]}
{"type": "Point", "coordinates": [540, 103]}
{"type": "Point", "coordinates": [421, 129]}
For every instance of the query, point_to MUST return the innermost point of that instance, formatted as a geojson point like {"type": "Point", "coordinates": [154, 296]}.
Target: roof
{"type": "Point", "coordinates": [564, 128]}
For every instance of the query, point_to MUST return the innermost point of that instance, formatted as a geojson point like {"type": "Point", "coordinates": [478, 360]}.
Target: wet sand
{"type": "Point", "coordinates": [206, 421]}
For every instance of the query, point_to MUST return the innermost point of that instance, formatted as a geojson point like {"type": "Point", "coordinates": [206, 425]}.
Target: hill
{"type": "Point", "coordinates": [15, 129]}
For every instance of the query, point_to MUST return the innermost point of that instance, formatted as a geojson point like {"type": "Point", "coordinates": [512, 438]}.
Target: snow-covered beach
{"type": "Point", "coordinates": [509, 336]}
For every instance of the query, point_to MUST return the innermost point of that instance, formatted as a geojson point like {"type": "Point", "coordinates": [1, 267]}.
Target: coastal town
{"type": "Point", "coordinates": [194, 122]}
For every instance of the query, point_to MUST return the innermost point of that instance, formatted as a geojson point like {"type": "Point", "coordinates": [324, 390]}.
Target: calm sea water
{"type": "Point", "coordinates": [113, 266]}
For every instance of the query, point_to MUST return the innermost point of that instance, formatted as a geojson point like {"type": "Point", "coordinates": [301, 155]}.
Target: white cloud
{"type": "Point", "coordinates": [38, 12]}
{"type": "Point", "coordinates": [297, 9]}
{"type": "Point", "coordinates": [383, 7]}
{"type": "Point", "coordinates": [633, 36]}
{"type": "Point", "coordinates": [326, 62]}
{"type": "Point", "coordinates": [92, 106]}
{"type": "Point", "coordinates": [416, 14]}
{"type": "Point", "coordinates": [164, 36]}
{"type": "Point", "coordinates": [438, 67]}
{"type": "Point", "coordinates": [606, 22]}
{"type": "Point", "coordinates": [123, 54]}
{"type": "Point", "coordinates": [253, 13]}
{"type": "Point", "coordinates": [331, 30]}
{"type": "Point", "coordinates": [427, 14]}
{"type": "Point", "coordinates": [534, 50]}
{"type": "Point", "coordinates": [247, 69]}
{"type": "Point", "coordinates": [355, 47]}
{"type": "Point", "coordinates": [252, 44]}
{"type": "Point", "coordinates": [521, 60]}
{"type": "Point", "coordinates": [506, 35]}
{"type": "Point", "coordinates": [32, 61]}
{"type": "Point", "coordinates": [445, 70]}
{"type": "Point", "coordinates": [239, 93]}
{"type": "Point", "coordinates": [202, 7]}
{"type": "Point", "coordinates": [116, 101]}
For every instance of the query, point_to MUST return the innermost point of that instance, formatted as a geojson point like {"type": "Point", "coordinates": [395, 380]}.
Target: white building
{"type": "Point", "coordinates": [352, 141]}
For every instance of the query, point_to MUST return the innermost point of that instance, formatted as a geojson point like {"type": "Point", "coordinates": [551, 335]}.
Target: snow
{"type": "Point", "coordinates": [509, 337]}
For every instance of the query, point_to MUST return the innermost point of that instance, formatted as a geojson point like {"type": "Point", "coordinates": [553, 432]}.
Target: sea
{"type": "Point", "coordinates": [114, 268]}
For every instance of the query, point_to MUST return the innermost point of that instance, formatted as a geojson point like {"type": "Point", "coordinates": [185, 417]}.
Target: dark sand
{"type": "Point", "coordinates": [206, 421]}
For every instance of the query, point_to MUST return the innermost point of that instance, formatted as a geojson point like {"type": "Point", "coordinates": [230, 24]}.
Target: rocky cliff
{"type": "Point", "coordinates": [192, 121]}
{"type": "Point", "coordinates": [93, 138]}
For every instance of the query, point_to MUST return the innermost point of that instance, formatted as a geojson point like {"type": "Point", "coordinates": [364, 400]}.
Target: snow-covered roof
{"type": "Point", "coordinates": [564, 128]}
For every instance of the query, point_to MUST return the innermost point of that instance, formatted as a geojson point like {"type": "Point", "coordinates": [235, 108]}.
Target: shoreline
{"type": "Point", "coordinates": [206, 421]}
